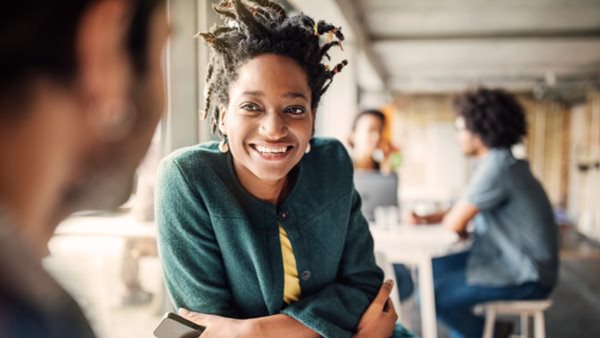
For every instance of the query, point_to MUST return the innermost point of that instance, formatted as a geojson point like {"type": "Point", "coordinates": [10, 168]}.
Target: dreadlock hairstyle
{"type": "Point", "coordinates": [255, 27]}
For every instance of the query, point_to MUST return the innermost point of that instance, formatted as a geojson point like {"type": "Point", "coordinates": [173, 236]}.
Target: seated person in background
{"type": "Point", "coordinates": [370, 151]}
{"type": "Point", "coordinates": [367, 144]}
{"type": "Point", "coordinates": [515, 249]}
{"type": "Point", "coordinates": [261, 234]}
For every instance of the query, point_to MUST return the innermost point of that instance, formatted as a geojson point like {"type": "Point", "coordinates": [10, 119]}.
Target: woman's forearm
{"type": "Point", "coordinates": [280, 325]}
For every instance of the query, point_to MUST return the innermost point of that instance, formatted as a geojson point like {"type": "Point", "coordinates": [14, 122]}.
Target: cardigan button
{"type": "Point", "coordinates": [283, 215]}
{"type": "Point", "coordinates": [305, 275]}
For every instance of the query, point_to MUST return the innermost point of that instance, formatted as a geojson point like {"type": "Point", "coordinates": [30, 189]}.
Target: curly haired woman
{"type": "Point", "coordinates": [261, 234]}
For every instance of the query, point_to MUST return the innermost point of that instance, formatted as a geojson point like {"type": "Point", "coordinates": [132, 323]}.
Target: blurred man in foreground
{"type": "Point", "coordinates": [81, 93]}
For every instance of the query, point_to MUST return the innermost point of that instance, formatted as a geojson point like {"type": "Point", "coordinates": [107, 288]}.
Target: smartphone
{"type": "Point", "coordinates": [175, 326]}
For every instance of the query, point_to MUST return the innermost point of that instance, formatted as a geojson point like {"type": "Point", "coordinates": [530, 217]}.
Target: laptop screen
{"type": "Point", "coordinates": [376, 190]}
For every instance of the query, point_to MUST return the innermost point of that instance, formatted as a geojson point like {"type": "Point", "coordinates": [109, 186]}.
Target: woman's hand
{"type": "Point", "coordinates": [218, 326]}
{"type": "Point", "coordinates": [380, 318]}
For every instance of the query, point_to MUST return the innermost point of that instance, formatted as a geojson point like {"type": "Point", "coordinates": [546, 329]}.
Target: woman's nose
{"type": "Point", "coordinates": [374, 137]}
{"type": "Point", "coordinates": [273, 126]}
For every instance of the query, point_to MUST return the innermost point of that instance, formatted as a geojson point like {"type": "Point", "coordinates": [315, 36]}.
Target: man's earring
{"type": "Point", "coordinates": [307, 148]}
{"type": "Point", "coordinates": [224, 146]}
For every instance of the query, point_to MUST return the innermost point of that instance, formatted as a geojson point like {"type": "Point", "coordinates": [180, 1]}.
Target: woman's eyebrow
{"type": "Point", "coordinates": [253, 93]}
{"type": "Point", "coordinates": [293, 95]}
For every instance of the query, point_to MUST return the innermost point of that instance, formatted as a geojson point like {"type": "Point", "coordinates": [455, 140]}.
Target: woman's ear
{"type": "Point", "coordinates": [314, 121]}
{"type": "Point", "coordinates": [222, 116]}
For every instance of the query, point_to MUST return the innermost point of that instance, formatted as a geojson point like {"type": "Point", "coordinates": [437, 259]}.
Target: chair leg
{"type": "Point", "coordinates": [490, 319]}
{"type": "Point", "coordinates": [524, 325]}
{"type": "Point", "coordinates": [540, 330]}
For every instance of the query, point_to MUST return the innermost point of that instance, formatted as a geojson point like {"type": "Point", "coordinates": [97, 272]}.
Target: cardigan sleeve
{"type": "Point", "coordinates": [336, 309]}
{"type": "Point", "coordinates": [191, 259]}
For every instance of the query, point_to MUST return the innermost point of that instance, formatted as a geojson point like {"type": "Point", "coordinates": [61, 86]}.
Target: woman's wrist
{"type": "Point", "coordinates": [278, 325]}
{"type": "Point", "coordinates": [254, 327]}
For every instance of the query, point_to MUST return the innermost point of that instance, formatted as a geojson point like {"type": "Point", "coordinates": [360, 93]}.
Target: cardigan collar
{"type": "Point", "coordinates": [297, 184]}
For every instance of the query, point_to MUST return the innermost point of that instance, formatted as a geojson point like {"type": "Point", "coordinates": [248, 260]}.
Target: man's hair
{"type": "Point", "coordinates": [256, 27]}
{"type": "Point", "coordinates": [492, 114]}
{"type": "Point", "coordinates": [369, 112]}
{"type": "Point", "coordinates": [38, 39]}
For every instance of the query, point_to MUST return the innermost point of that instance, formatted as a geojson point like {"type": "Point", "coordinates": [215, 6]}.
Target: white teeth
{"type": "Point", "coordinates": [268, 150]}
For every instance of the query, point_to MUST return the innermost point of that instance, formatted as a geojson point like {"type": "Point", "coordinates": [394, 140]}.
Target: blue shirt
{"type": "Point", "coordinates": [32, 303]}
{"type": "Point", "coordinates": [516, 237]}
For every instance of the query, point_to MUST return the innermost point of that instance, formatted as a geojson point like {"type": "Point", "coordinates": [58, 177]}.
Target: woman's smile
{"type": "Point", "coordinates": [272, 152]}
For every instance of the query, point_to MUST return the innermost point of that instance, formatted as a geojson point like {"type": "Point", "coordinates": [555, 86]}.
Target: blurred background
{"type": "Point", "coordinates": [406, 58]}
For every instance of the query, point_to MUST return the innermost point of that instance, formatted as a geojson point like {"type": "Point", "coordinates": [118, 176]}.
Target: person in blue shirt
{"type": "Point", "coordinates": [515, 248]}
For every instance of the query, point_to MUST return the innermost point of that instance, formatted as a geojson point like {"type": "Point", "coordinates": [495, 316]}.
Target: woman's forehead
{"type": "Point", "coordinates": [271, 74]}
{"type": "Point", "coordinates": [368, 120]}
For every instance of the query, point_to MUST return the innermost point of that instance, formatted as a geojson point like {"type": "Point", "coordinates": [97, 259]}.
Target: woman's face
{"type": "Point", "coordinates": [268, 120]}
{"type": "Point", "coordinates": [367, 134]}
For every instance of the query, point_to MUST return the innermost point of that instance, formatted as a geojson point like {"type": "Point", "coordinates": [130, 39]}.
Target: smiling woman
{"type": "Point", "coordinates": [261, 234]}
{"type": "Point", "coordinates": [268, 123]}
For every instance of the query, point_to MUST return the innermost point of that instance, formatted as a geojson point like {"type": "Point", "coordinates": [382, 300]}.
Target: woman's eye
{"type": "Point", "coordinates": [295, 110]}
{"type": "Point", "coordinates": [250, 107]}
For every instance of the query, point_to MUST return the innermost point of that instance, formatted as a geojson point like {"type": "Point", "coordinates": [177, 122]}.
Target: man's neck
{"type": "Point", "coordinates": [30, 213]}
{"type": "Point", "coordinates": [37, 154]}
{"type": "Point", "coordinates": [481, 152]}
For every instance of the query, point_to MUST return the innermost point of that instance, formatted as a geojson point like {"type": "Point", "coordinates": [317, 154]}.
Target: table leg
{"type": "Point", "coordinates": [428, 316]}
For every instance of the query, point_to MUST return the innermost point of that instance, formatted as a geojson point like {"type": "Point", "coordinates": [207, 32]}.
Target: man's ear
{"type": "Point", "coordinates": [104, 66]}
{"type": "Point", "coordinates": [222, 122]}
{"type": "Point", "coordinates": [478, 141]}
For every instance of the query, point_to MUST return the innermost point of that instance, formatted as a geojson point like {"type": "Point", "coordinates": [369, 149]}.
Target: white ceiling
{"type": "Point", "coordinates": [446, 45]}
{"type": "Point", "coordinates": [395, 18]}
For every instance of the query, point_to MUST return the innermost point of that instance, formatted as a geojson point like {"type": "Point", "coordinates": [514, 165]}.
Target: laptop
{"type": "Point", "coordinates": [376, 190]}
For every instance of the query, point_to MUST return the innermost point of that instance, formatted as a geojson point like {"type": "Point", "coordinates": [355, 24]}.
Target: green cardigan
{"type": "Point", "coordinates": [220, 246]}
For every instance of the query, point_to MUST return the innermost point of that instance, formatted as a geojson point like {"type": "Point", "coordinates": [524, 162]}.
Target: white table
{"type": "Point", "coordinates": [418, 245]}
{"type": "Point", "coordinates": [121, 226]}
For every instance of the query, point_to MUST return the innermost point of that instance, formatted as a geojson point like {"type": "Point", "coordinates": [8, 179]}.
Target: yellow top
{"type": "Point", "coordinates": [291, 283]}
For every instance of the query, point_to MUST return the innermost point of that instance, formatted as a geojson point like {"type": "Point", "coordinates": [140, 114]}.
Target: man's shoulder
{"type": "Point", "coordinates": [32, 304]}
{"type": "Point", "coordinates": [498, 156]}
{"type": "Point", "coordinates": [496, 163]}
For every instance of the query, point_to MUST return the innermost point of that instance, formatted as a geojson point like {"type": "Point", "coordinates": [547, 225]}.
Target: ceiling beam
{"type": "Point", "coordinates": [363, 40]}
{"type": "Point", "coordinates": [500, 35]}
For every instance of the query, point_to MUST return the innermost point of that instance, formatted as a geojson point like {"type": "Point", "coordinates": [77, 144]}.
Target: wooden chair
{"type": "Point", "coordinates": [524, 309]}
